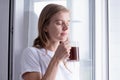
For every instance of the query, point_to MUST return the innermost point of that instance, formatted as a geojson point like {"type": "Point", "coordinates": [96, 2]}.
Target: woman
{"type": "Point", "coordinates": [46, 60]}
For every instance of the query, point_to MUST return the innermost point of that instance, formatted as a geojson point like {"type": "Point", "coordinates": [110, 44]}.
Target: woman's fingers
{"type": "Point", "coordinates": [63, 51]}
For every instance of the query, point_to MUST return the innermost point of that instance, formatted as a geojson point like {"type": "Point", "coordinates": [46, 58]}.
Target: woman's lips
{"type": "Point", "coordinates": [63, 34]}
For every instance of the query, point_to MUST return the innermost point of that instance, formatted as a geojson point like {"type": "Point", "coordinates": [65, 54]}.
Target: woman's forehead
{"type": "Point", "coordinates": [60, 16]}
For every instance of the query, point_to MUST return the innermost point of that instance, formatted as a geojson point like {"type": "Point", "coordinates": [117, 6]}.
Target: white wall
{"type": "Point", "coordinates": [4, 21]}
{"type": "Point", "coordinates": [114, 36]}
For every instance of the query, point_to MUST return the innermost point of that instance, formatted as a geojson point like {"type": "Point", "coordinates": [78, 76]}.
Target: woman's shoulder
{"type": "Point", "coordinates": [29, 49]}
{"type": "Point", "coordinates": [33, 50]}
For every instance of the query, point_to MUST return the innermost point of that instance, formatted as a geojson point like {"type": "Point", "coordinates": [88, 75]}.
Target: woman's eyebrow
{"type": "Point", "coordinates": [58, 20]}
{"type": "Point", "coordinates": [61, 20]}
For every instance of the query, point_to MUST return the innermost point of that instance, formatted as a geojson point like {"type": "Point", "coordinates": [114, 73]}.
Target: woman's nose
{"type": "Point", "coordinates": [65, 27]}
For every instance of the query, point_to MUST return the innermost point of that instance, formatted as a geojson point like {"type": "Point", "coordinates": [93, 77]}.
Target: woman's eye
{"type": "Point", "coordinates": [62, 23]}
{"type": "Point", "coordinates": [59, 23]}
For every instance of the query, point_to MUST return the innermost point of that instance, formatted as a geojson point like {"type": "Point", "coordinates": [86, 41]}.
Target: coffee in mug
{"type": "Point", "coordinates": [74, 54]}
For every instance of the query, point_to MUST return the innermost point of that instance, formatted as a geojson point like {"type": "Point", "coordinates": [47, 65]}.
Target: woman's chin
{"type": "Point", "coordinates": [64, 39]}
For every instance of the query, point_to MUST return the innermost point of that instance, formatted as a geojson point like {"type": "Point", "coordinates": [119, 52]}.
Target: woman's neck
{"type": "Point", "coordinates": [53, 46]}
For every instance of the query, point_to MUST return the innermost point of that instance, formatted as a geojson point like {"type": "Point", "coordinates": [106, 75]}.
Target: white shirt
{"type": "Point", "coordinates": [37, 60]}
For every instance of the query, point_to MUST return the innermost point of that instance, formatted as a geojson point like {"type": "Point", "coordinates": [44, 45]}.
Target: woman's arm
{"type": "Point", "coordinates": [32, 76]}
{"type": "Point", "coordinates": [51, 70]}
{"type": "Point", "coordinates": [61, 54]}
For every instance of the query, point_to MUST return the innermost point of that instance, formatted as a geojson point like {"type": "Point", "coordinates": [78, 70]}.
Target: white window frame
{"type": "Point", "coordinates": [101, 40]}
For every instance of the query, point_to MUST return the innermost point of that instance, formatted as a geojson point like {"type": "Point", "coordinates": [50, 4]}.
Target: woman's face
{"type": "Point", "coordinates": [59, 26]}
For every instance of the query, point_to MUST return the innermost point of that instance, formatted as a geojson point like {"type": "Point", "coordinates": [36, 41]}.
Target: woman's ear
{"type": "Point", "coordinates": [45, 29]}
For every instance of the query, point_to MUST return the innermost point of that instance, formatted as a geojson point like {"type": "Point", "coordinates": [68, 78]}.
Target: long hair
{"type": "Point", "coordinates": [47, 13]}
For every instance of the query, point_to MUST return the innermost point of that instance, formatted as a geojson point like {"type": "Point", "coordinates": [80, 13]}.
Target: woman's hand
{"type": "Point", "coordinates": [63, 50]}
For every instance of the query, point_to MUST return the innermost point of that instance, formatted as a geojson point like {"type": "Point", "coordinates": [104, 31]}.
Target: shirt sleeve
{"type": "Point", "coordinates": [30, 61]}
